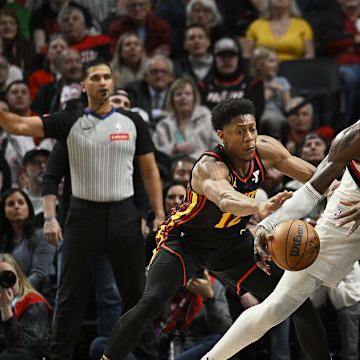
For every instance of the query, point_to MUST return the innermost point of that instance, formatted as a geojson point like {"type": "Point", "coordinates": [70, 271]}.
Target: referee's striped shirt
{"type": "Point", "coordinates": [101, 151]}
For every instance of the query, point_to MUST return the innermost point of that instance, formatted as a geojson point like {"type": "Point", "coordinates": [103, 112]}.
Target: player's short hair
{"type": "Point", "coordinates": [89, 64]}
{"type": "Point", "coordinates": [226, 110]}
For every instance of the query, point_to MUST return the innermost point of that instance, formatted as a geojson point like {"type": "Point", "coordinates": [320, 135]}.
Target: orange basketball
{"type": "Point", "coordinates": [295, 245]}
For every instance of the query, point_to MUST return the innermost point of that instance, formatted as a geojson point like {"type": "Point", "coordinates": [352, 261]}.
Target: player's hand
{"type": "Point", "coordinates": [52, 232]}
{"type": "Point", "coordinates": [334, 185]}
{"type": "Point", "coordinates": [261, 253]}
{"type": "Point", "coordinates": [274, 202]}
{"type": "Point", "coordinates": [351, 215]}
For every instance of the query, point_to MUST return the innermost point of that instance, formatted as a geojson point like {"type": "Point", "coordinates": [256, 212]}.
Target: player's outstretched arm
{"type": "Point", "coordinates": [275, 155]}
{"type": "Point", "coordinates": [18, 125]}
{"type": "Point", "coordinates": [211, 178]}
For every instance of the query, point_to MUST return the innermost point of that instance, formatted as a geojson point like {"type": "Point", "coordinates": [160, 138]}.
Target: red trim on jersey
{"type": "Point", "coordinates": [181, 259]}
{"type": "Point", "coordinates": [243, 278]}
{"type": "Point", "coordinates": [260, 165]}
{"type": "Point", "coordinates": [248, 177]}
{"type": "Point", "coordinates": [357, 172]}
{"type": "Point", "coordinates": [193, 213]}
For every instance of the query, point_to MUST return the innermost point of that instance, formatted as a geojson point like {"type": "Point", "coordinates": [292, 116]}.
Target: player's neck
{"type": "Point", "coordinates": [241, 166]}
{"type": "Point", "coordinates": [100, 109]}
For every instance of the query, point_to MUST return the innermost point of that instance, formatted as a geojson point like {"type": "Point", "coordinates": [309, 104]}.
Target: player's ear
{"type": "Point", "coordinates": [220, 134]}
{"type": "Point", "coordinates": [83, 86]}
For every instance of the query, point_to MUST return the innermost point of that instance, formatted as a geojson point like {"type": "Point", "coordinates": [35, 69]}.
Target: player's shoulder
{"type": "Point", "coordinates": [208, 167]}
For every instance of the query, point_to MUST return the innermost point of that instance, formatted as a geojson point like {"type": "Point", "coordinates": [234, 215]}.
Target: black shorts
{"type": "Point", "coordinates": [232, 262]}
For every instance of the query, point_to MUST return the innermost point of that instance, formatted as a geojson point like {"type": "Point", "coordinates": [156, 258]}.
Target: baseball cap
{"type": "Point", "coordinates": [31, 153]}
{"type": "Point", "coordinates": [226, 45]}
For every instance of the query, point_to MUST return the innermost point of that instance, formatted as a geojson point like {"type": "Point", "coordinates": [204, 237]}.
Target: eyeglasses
{"type": "Point", "coordinates": [135, 5]}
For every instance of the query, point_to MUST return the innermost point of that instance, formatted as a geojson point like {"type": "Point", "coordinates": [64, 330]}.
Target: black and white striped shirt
{"type": "Point", "coordinates": [101, 151]}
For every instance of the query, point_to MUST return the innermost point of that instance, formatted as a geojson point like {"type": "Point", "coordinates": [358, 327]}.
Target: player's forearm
{"type": "Point", "coordinates": [302, 202]}
{"type": "Point", "coordinates": [238, 204]}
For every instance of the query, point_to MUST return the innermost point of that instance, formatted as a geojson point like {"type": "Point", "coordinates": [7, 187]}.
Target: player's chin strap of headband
{"type": "Point", "coordinates": [298, 206]}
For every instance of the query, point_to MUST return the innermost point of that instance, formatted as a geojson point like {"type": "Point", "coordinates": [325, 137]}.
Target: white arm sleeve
{"type": "Point", "coordinates": [301, 203]}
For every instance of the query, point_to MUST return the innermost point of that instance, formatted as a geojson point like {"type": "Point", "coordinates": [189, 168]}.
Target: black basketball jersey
{"type": "Point", "coordinates": [354, 169]}
{"type": "Point", "coordinates": [200, 220]}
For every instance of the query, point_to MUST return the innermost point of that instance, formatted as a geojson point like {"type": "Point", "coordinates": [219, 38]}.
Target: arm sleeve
{"type": "Point", "coordinates": [57, 166]}
{"type": "Point", "coordinates": [144, 143]}
{"type": "Point", "coordinates": [58, 125]}
{"type": "Point", "coordinates": [31, 327]}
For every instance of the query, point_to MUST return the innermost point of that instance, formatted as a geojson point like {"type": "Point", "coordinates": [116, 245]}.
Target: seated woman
{"type": "Point", "coordinates": [282, 29]}
{"type": "Point", "coordinates": [25, 314]}
{"type": "Point", "coordinates": [277, 90]}
{"type": "Point", "coordinates": [187, 129]}
{"type": "Point", "coordinates": [129, 59]}
{"type": "Point", "coordinates": [19, 237]}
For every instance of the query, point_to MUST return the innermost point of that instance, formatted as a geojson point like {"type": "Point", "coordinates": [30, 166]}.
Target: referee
{"type": "Point", "coordinates": [102, 143]}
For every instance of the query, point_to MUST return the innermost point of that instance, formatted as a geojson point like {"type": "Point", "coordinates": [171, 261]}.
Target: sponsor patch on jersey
{"type": "Point", "coordinates": [117, 137]}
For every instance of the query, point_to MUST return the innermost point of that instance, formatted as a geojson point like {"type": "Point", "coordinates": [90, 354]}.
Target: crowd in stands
{"type": "Point", "coordinates": [172, 62]}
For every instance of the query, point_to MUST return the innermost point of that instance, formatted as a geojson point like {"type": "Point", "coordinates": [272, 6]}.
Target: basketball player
{"type": "Point", "coordinates": [339, 244]}
{"type": "Point", "coordinates": [208, 229]}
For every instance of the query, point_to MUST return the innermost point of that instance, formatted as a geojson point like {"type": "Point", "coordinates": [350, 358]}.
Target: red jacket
{"type": "Point", "coordinates": [158, 32]}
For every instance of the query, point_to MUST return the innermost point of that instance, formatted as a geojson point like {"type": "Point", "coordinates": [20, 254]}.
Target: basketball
{"type": "Point", "coordinates": [294, 246]}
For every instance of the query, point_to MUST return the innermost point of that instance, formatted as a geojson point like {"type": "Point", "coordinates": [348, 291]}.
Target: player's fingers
{"type": "Point", "coordinates": [347, 220]}
{"type": "Point", "coordinates": [349, 203]}
{"type": "Point", "coordinates": [345, 214]}
{"type": "Point", "coordinates": [264, 267]}
{"type": "Point", "coordinates": [353, 228]}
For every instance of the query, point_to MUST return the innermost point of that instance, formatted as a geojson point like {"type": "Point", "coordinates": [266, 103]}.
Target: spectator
{"type": "Point", "coordinates": [129, 60]}
{"type": "Point", "coordinates": [199, 315]}
{"type": "Point", "coordinates": [14, 72]}
{"type": "Point", "coordinates": [205, 13]}
{"type": "Point", "coordinates": [4, 76]}
{"type": "Point", "coordinates": [20, 238]}
{"type": "Point", "coordinates": [264, 66]}
{"type": "Point", "coordinates": [14, 147]}
{"type": "Point", "coordinates": [72, 25]}
{"type": "Point", "coordinates": [181, 168]}
{"type": "Point", "coordinates": [282, 29]}
{"type": "Point", "coordinates": [25, 316]}
{"type": "Point", "coordinates": [57, 44]}
{"type": "Point", "coordinates": [150, 93]}
{"type": "Point", "coordinates": [155, 33]}
{"type": "Point", "coordinates": [340, 41]}
{"type": "Point", "coordinates": [19, 98]}
{"type": "Point", "coordinates": [228, 79]}
{"type": "Point", "coordinates": [116, 13]}
{"type": "Point", "coordinates": [299, 123]}
{"type": "Point", "coordinates": [44, 22]}
{"type": "Point", "coordinates": [187, 129]}
{"type": "Point", "coordinates": [5, 175]}
{"type": "Point", "coordinates": [198, 62]}
{"type": "Point", "coordinates": [35, 163]}
{"type": "Point", "coordinates": [19, 51]}
{"type": "Point", "coordinates": [22, 14]}
{"type": "Point", "coordinates": [53, 95]}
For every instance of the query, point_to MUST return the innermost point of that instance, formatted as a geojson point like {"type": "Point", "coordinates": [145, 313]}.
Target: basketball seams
{"type": "Point", "coordinates": [287, 245]}
{"type": "Point", "coordinates": [304, 248]}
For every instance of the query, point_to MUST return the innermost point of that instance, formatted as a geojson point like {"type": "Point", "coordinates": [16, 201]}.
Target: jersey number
{"type": "Point", "coordinates": [227, 220]}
